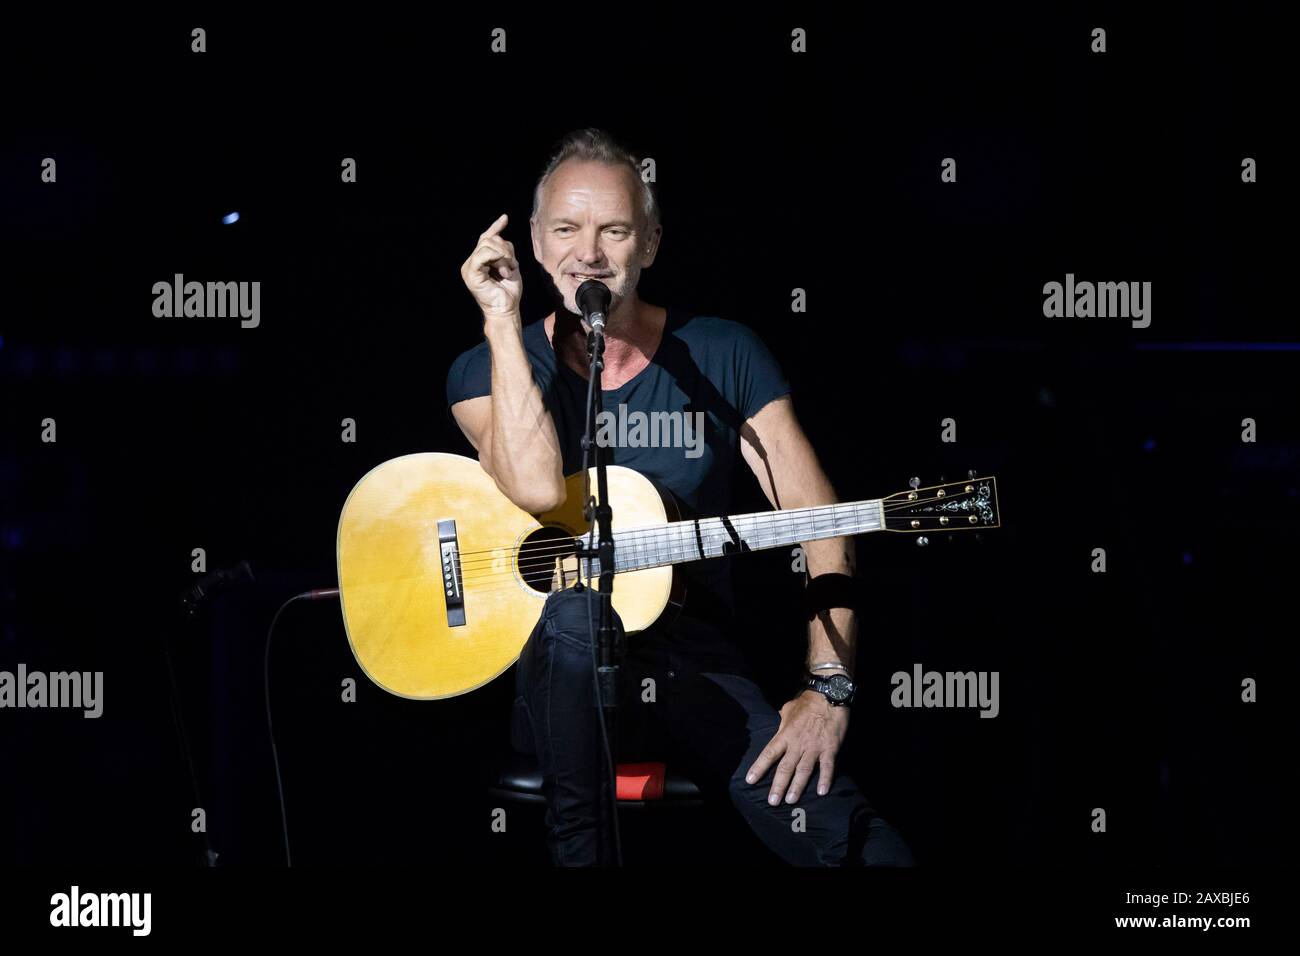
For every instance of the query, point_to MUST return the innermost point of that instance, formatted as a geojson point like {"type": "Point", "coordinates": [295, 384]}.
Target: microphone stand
{"type": "Point", "coordinates": [191, 603]}
{"type": "Point", "coordinates": [607, 648]}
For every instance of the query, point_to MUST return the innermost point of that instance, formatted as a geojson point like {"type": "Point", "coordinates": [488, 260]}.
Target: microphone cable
{"type": "Point", "coordinates": [316, 594]}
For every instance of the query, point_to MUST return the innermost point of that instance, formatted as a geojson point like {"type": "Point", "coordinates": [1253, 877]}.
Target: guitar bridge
{"type": "Point", "coordinates": [452, 584]}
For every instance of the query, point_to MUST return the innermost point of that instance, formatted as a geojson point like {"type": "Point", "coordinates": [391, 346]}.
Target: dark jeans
{"type": "Point", "coordinates": [707, 718]}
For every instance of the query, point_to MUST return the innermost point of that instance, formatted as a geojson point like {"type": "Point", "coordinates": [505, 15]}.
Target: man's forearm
{"type": "Point", "coordinates": [832, 633]}
{"type": "Point", "coordinates": [525, 456]}
{"type": "Point", "coordinates": [785, 464]}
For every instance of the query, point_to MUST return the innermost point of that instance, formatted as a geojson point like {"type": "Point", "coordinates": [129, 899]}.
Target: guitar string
{"type": "Point", "coordinates": [676, 545]}
{"type": "Point", "coordinates": [632, 541]}
{"type": "Point", "coordinates": [688, 552]}
{"type": "Point", "coordinates": [655, 535]}
{"type": "Point", "coordinates": [679, 554]}
{"type": "Point", "coordinates": [670, 528]}
{"type": "Point", "coordinates": [507, 579]}
{"type": "Point", "coordinates": [643, 543]}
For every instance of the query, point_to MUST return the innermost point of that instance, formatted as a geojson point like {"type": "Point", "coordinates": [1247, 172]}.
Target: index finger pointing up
{"type": "Point", "coordinates": [496, 226]}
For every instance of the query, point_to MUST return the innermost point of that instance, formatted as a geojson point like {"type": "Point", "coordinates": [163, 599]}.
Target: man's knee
{"type": "Point", "coordinates": [837, 829]}
{"type": "Point", "coordinates": [569, 618]}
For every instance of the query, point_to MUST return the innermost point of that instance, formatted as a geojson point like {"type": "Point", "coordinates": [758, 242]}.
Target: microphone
{"type": "Point", "coordinates": [592, 299]}
{"type": "Point", "coordinates": [195, 595]}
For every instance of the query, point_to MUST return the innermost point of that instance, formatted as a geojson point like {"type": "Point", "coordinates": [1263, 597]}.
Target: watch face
{"type": "Point", "coordinates": [839, 687]}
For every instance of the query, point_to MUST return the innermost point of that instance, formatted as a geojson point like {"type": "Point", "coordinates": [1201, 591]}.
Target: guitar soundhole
{"type": "Point", "coordinates": [538, 555]}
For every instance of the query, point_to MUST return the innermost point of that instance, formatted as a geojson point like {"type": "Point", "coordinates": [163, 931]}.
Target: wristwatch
{"type": "Point", "coordinates": [837, 688]}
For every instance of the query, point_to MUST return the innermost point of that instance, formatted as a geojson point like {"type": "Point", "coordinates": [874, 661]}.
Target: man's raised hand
{"type": "Point", "coordinates": [491, 273]}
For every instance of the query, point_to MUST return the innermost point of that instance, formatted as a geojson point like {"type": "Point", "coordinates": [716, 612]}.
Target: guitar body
{"type": "Point", "coordinates": [406, 633]}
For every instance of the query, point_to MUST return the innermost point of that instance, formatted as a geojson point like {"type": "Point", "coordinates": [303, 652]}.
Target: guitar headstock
{"type": "Point", "coordinates": [970, 505]}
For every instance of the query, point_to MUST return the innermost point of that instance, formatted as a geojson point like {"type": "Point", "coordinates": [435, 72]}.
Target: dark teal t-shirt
{"type": "Point", "coordinates": [709, 373]}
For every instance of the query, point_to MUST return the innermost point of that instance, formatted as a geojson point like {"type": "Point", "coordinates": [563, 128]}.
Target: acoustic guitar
{"type": "Point", "coordinates": [442, 578]}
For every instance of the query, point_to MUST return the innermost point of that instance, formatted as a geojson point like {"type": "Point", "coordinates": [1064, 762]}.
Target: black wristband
{"type": "Point", "coordinates": [830, 590]}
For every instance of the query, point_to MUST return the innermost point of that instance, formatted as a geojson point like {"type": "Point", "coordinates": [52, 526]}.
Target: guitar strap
{"type": "Point", "coordinates": [826, 591]}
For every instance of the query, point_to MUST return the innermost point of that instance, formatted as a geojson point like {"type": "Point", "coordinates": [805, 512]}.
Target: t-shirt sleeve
{"type": "Point", "coordinates": [470, 376]}
{"type": "Point", "coordinates": [759, 378]}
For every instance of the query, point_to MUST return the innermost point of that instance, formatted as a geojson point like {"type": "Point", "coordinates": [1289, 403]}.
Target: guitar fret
{"type": "Point", "coordinates": [745, 530]}
{"type": "Point", "coordinates": [687, 540]}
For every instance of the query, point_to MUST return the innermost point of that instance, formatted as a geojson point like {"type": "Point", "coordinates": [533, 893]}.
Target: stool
{"type": "Point", "coordinates": [639, 784]}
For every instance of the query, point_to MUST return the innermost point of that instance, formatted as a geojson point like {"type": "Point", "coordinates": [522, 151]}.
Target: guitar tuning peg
{"type": "Point", "coordinates": [922, 541]}
{"type": "Point", "coordinates": [914, 483]}
{"type": "Point", "coordinates": [970, 472]}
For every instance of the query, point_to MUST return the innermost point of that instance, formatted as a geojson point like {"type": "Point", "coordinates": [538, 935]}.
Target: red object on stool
{"type": "Point", "coordinates": [640, 781]}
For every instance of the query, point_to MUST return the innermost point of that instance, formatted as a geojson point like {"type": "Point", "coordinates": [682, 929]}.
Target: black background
{"type": "Point", "coordinates": [1118, 690]}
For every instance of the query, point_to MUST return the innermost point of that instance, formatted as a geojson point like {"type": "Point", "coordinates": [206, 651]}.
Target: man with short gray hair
{"type": "Point", "coordinates": [520, 399]}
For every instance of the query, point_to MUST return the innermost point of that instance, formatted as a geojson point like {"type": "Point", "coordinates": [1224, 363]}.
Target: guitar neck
{"type": "Point", "coordinates": [697, 539]}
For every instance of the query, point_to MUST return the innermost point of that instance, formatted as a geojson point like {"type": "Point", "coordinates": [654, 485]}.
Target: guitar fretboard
{"type": "Point", "coordinates": [697, 539]}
